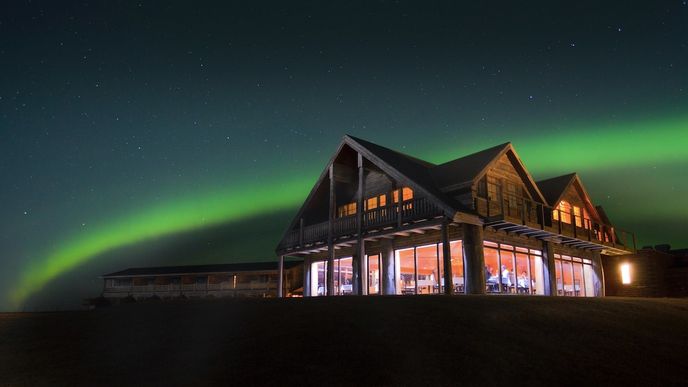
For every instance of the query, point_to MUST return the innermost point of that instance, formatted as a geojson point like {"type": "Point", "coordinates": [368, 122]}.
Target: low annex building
{"type": "Point", "coordinates": [381, 222]}
{"type": "Point", "coordinates": [257, 279]}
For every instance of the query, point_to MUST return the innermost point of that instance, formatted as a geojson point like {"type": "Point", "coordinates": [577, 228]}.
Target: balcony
{"type": "Point", "coordinates": [526, 217]}
{"type": "Point", "coordinates": [377, 219]}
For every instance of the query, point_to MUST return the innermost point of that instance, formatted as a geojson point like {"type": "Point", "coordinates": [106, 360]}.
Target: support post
{"type": "Point", "coordinates": [474, 258]}
{"type": "Point", "coordinates": [550, 271]}
{"type": "Point", "coordinates": [388, 276]}
{"type": "Point", "coordinates": [359, 265]}
{"type": "Point", "coordinates": [599, 273]}
{"type": "Point", "coordinates": [280, 280]}
{"type": "Point", "coordinates": [330, 236]}
{"type": "Point", "coordinates": [446, 255]}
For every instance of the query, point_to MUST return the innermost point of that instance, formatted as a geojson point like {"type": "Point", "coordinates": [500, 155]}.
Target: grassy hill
{"type": "Point", "coordinates": [424, 340]}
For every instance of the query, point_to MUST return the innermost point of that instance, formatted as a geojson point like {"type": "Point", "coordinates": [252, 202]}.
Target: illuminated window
{"type": "Point", "coordinates": [577, 216]}
{"type": "Point", "coordinates": [407, 194]}
{"type": "Point", "coordinates": [375, 202]}
{"type": "Point", "coordinates": [626, 273]}
{"type": "Point", "coordinates": [586, 220]}
{"type": "Point", "coordinates": [565, 209]}
{"type": "Point", "coordinates": [346, 210]}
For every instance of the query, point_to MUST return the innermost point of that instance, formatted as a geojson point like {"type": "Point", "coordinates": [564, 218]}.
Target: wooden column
{"type": "Point", "coordinates": [550, 272]}
{"type": "Point", "coordinates": [359, 256]}
{"type": "Point", "coordinates": [474, 258]}
{"type": "Point", "coordinates": [330, 236]}
{"type": "Point", "coordinates": [446, 255]}
{"type": "Point", "coordinates": [280, 280]}
{"type": "Point", "coordinates": [388, 272]}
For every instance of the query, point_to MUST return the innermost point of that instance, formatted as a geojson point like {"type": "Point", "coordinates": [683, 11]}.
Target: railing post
{"type": "Point", "coordinates": [559, 220]}
{"type": "Point", "coordinates": [573, 222]}
{"type": "Point", "coordinates": [542, 214]}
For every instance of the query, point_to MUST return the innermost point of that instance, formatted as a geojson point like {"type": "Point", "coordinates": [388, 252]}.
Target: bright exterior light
{"type": "Point", "coordinates": [626, 273]}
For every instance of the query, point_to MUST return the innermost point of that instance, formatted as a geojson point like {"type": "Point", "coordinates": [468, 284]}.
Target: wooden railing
{"type": "Point", "coordinates": [530, 213]}
{"type": "Point", "coordinates": [380, 217]}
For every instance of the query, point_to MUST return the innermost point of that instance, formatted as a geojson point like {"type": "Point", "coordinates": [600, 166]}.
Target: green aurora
{"type": "Point", "coordinates": [615, 147]}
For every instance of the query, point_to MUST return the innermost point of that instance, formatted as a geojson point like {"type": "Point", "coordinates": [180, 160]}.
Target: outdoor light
{"type": "Point", "coordinates": [626, 273]}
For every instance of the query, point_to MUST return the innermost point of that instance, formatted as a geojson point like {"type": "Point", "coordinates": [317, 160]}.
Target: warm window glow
{"type": "Point", "coordinates": [407, 194]}
{"type": "Point", "coordinates": [565, 209]}
{"type": "Point", "coordinates": [375, 202]}
{"type": "Point", "coordinates": [586, 220]}
{"type": "Point", "coordinates": [577, 216]}
{"type": "Point", "coordinates": [346, 210]}
{"type": "Point", "coordinates": [626, 273]}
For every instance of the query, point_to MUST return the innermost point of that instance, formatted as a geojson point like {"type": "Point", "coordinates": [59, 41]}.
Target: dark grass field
{"type": "Point", "coordinates": [481, 340]}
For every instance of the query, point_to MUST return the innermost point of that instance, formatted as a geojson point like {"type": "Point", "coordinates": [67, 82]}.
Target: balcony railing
{"type": "Point", "coordinates": [523, 211]}
{"type": "Point", "coordinates": [374, 219]}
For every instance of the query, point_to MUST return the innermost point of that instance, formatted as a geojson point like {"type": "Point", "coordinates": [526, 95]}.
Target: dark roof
{"type": "Point", "coordinates": [416, 170]}
{"type": "Point", "coordinates": [202, 269]}
{"type": "Point", "coordinates": [554, 187]}
{"type": "Point", "coordinates": [465, 169]}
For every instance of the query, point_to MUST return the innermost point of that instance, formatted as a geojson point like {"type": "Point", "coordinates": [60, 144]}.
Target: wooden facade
{"type": "Point", "coordinates": [371, 201]}
{"type": "Point", "coordinates": [260, 279]}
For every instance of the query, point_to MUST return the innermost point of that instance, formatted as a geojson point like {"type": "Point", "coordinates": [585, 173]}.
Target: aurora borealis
{"type": "Point", "coordinates": [124, 124]}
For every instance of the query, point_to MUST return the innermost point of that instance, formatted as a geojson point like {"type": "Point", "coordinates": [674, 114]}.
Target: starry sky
{"type": "Point", "coordinates": [155, 132]}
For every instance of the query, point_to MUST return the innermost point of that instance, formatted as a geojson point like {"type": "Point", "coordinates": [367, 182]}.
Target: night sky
{"type": "Point", "coordinates": [140, 133]}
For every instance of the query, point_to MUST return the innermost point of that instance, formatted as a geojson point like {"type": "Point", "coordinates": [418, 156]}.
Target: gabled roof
{"type": "Point", "coordinates": [396, 164]}
{"type": "Point", "coordinates": [464, 170]}
{"type": "Point", "coordinates": [553, 188]}
{"type": "Point", "coordinates": [201, 269]}
{"type": "Point", "coordinates": [417, 171]}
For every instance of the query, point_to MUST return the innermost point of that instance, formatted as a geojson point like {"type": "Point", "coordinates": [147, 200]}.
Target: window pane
{"type": "Point", "coordinates": [587, 276]}
{"type": "Point", "coordinates": [560, 282]}
{"type": "Point", "coordinates": [491, 270]}
{"type": "Point", "coordinates": [568, 277]}
{"type": "Point", "coordinates": [523, 285]}
{"type": "Point", "coordinates": [428, 270]}
{"type": "Point", "coordinates": [406, 284]}
{"type": "Point", "coordinates": [373, 274]}
{"type": "Point", "coordinates": [457, 266]}
{"type": "Point", "coordinates": [507, 271]}
{"type": "Point", "coordinates": [318, 275]}
{"type": "Point", "coordinates": [344, 275]}
{"type": "Point", "coordinates": [578, 288]}
{"type": "Point", "coordinates": [536, 274]}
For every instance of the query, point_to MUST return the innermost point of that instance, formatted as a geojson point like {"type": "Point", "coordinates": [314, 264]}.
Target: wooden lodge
{"type": "Point", "coordinates": [381, 222]}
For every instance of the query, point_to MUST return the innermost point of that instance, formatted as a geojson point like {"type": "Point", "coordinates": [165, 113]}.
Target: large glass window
{"type": "Point", "coordinates": [405, 270]}
{"type": "Point", "coordinates": [343, 277]}
{"type": "Point", "coordinates": [374, 274]}
{"type": "Point", "coordinates": [574, 276]}
{"type": "Point", "coordinates": [456, 248]}
{"type": "Point", "coordinates": [510, 269]}
{"type": "Point", "coordinates": [427, 269]}
{"type": "Point", "coordinates": [420, 270]}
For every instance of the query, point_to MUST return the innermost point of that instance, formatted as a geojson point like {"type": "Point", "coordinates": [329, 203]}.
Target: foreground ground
{"type": "Point", "coordinates": [353, 341]}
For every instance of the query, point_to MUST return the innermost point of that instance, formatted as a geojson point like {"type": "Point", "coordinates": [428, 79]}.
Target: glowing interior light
{"type": "Point", "coordinates": [626, 273]}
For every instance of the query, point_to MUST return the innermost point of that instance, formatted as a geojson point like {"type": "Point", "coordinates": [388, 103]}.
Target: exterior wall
{"type": "Point", "coordinates": [244, 284]}
{"type": "Point", "coordinates": [653, 274]}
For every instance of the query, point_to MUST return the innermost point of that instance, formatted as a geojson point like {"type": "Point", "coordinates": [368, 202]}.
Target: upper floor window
{"type": "Point", "coordinates": [346, 210]}
{"type": "Point", "coordinates": [564, 209]}
{"type": "Point", "coordinates": [406, 194]}
{"type": "Point", "coordinates": [375, 202]}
